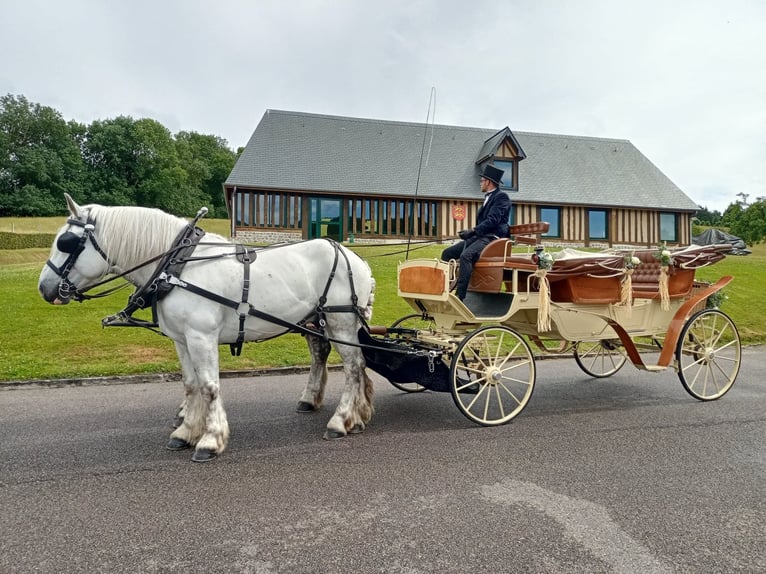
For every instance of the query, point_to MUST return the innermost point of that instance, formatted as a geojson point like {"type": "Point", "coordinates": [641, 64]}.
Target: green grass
{"type": "Point", "coordinates": [52, 225]}
{"type": "Point", "coordinates": [41, 341]}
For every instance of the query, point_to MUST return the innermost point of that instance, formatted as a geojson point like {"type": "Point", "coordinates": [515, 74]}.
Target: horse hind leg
{"type": "Point", "coordinates": [313, 394]}
{"type": "Point", "coordinates": [355, 408]}
{"type": "Point", "coordinates": [363, 409]}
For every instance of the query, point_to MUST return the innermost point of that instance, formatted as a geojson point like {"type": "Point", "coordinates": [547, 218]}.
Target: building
{"type": "Point", "coordinates": [306, 175]}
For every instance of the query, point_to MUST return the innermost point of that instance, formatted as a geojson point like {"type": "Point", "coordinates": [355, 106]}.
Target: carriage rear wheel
{"type": "Point", "coordinates": [600, 358]}
{"type": "Point", "coordinates": [492, 375]}
{"type": "Point", "coordinates": [708, 354]}
{"type": "Point", "coordinates": [415, 322]}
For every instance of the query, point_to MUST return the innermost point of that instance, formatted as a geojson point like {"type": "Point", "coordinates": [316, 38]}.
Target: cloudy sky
{"type": "Point", "coordinates": [683, 80]}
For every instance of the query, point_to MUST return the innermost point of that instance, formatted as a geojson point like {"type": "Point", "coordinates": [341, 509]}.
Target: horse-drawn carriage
{"type": "Point", "coordinates": [607, 307]}
{"type": "Point", "coordinates": [205, 291]}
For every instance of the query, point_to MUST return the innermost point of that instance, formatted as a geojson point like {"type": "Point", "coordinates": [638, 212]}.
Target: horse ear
{"type": "Point", "coordinates": [74, 209]}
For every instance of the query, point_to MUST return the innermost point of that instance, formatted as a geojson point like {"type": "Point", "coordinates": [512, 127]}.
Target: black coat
{"type": "Point", "coordinates": [492, 218]}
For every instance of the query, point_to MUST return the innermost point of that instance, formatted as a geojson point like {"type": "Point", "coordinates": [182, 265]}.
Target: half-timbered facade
{"type": "Point", "coordinates": [307, 175]}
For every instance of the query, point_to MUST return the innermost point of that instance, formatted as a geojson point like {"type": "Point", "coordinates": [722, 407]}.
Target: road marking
{"type": "Point", "coordinates": [585, 522]}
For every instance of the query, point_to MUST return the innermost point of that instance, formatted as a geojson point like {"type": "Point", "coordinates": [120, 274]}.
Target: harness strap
{"type": "Point", "coordinates": [244, 256]}
{"type": "Point", "coordinates": [167, 276]}
{"type": "Point", "coordinates": [252, 311]}
{"type": "Point", "coordinates": [322, 309]}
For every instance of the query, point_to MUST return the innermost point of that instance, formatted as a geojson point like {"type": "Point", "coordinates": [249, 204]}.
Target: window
{"type": "Point", "coordinates": [392, 217]}
{"type": "Point", "coordinates": [553, 216]}
{"type": "Point", "coordinates": [597, 224]}
{"type": "Point", "coordinates": [508, 180]}
{"type": "Point", "coordinates": [668, 227]}
{"type": "Point", "coordinates": [264, 209]}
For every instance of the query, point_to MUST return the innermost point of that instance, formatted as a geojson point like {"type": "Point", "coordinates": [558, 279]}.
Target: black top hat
{"type": "Point", "coordinates": [493, 174]}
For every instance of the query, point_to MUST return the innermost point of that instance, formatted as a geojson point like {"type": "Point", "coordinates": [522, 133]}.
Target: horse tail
{"type": "Point", "coordinates": [367, 311]}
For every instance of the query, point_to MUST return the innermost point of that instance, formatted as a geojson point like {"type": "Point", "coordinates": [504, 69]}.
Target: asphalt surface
{"type": "Point", "coordinates": [626, 474]}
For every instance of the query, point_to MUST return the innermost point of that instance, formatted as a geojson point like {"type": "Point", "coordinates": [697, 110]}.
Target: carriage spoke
{"type": "Point", "coordinates": [510, 392]}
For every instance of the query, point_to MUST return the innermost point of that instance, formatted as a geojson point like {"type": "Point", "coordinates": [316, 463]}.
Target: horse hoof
{"type": "Point", "coordinates": [333, 434]}
{"type": "Point", "coordinates": [358, 428]}
{"type": "Point", "coordinates": [204, 455]}
{"type": "Point", "coordinates": [177, 444]}
{"type": "Point", "coordinates": [304, 407]}
{"type": "Point", "coordinates": [177, 422]}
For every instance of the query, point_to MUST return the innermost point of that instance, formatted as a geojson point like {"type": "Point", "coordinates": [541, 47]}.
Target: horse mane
{"type": "Point", "coordinates": [130, 235]}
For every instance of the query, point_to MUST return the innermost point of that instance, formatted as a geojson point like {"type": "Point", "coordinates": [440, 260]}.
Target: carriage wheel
{"type": "Point", "coordinates": [708, 354]}
{"type": "Point", "coordinates": [600, 358]}
{"type": "Point", "coordinates": [415, 321]}
{"type": "Point", "coordinates": [492, 375]}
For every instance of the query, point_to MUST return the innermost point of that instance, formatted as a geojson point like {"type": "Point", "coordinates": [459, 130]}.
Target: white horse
{"type": "Point", "coordinates": [289, 283]}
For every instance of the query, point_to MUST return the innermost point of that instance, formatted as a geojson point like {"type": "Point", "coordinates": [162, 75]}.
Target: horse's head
{"type": "Point", "coordinates": [76, 260]}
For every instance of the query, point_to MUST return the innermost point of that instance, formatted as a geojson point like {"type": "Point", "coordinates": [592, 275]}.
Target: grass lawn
{"type": "Point", "coordinates": [40, 341]}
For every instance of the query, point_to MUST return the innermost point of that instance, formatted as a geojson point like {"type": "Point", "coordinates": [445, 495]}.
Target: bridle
{"type": "Point", "coordinates": [73, 244]}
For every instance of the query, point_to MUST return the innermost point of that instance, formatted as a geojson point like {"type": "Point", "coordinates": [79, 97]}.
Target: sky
{"type": "Point", "coordinates": [683, 80]}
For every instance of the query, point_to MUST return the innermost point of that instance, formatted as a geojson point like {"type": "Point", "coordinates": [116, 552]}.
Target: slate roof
{"type": "Point", "coordinates": [321, 153]}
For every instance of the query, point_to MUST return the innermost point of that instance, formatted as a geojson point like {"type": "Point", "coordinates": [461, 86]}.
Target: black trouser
{"type": "Point", "coordinates": [467, 252]}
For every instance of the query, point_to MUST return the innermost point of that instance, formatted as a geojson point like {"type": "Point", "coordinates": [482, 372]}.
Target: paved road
{"type": "Point", "coordinates": [628, 474]}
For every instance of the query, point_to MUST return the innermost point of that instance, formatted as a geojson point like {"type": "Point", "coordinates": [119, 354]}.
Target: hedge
{"type": "Point", "coordinates": [10, 240]}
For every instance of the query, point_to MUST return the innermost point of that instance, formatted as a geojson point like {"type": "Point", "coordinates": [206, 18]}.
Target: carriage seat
{"type": "Point", "coordinates": [646, 278]}
{"type": "Point", "coordinates": [496, 257]}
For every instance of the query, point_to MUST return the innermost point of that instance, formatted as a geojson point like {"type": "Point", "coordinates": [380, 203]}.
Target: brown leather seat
{"type": "Point", "coordinates": [496, 257]}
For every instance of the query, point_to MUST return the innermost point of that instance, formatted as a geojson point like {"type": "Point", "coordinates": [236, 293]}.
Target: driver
{"type": "Point", "coordinates": [491, 223]}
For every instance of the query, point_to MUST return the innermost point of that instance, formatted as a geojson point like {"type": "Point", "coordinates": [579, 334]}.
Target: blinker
{"type": "Point", "coordinates": [68, 242]}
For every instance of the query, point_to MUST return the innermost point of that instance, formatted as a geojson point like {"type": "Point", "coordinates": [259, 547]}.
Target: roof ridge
{"type": "Point", "coordinates": [383, 122]}
{"type": "Point", "coordinates": [442, 126]}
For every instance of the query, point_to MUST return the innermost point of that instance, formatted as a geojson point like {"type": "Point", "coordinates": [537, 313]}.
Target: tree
{"type": "Point", "coordinates": [750, 225]}
{"type": "Point", "coordinates": [108, 152]}
{"type": "Point", "coordinates": [711, 218]}
{"type": "Point", "coordinates": [39, 158]}
{"type": "Point", "coordinates": [119, 161]}
{"type": "Point", "coordinates": [134, 162]}
{"type": "Point", "coordinates": [732, 214]}
{"type": "Point", "coordinates": [208, 161]}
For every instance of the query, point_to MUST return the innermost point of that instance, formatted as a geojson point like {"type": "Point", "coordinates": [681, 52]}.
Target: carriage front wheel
{"type": "Point", "coordinates": [708, 354]}
{"type": "Point", "coordinates": [492, 375]}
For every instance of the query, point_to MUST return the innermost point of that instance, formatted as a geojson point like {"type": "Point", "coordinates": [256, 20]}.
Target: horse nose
{"type": "Point", "coordinates": [50, 293]}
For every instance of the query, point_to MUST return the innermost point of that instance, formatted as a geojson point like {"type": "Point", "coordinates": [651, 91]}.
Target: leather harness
{"type": "Point", "coordinates": [168, 275]}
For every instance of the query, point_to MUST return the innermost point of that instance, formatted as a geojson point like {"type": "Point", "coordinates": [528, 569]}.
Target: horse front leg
{"type": "Point", "coordinates": [313, 394]}
{"type": "Point", "coordinates": [205, 425]}
{"type": "Point", "coordinates": [179, 438]}
{"type": "Point", "coordinates": [355, 408]}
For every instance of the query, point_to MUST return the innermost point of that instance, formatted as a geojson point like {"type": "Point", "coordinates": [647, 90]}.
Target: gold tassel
{"type": "Point", "coordinates": [626, 291]}
{"type": "Point", "coordinates": [544, 308]}
{"type": "Point", "coordinates": [664, 294]}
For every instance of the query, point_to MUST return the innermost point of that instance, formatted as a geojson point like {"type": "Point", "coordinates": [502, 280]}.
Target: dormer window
{"type": "Point", "coordinates": [509, 176]}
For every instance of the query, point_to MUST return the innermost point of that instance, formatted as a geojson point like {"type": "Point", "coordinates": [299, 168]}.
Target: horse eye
{"type": "Point", "coordinates": [68, 242]}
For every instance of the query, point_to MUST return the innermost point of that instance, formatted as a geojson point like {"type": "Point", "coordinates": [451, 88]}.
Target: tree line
{"type": "Point", "coordinates": [119, 161]}
{"type": "Point", "coordinates": [743, 218]}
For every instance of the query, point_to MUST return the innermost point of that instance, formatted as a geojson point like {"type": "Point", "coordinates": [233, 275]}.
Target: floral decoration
{"type": "Point", "coordinates": [664, 256]}
{"type": "Point", "coordinates": [715, 300]}
{"type": "Point", "coordinates": [631, 261]}
{"type": "Point", "coordinates": [544, 260]}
